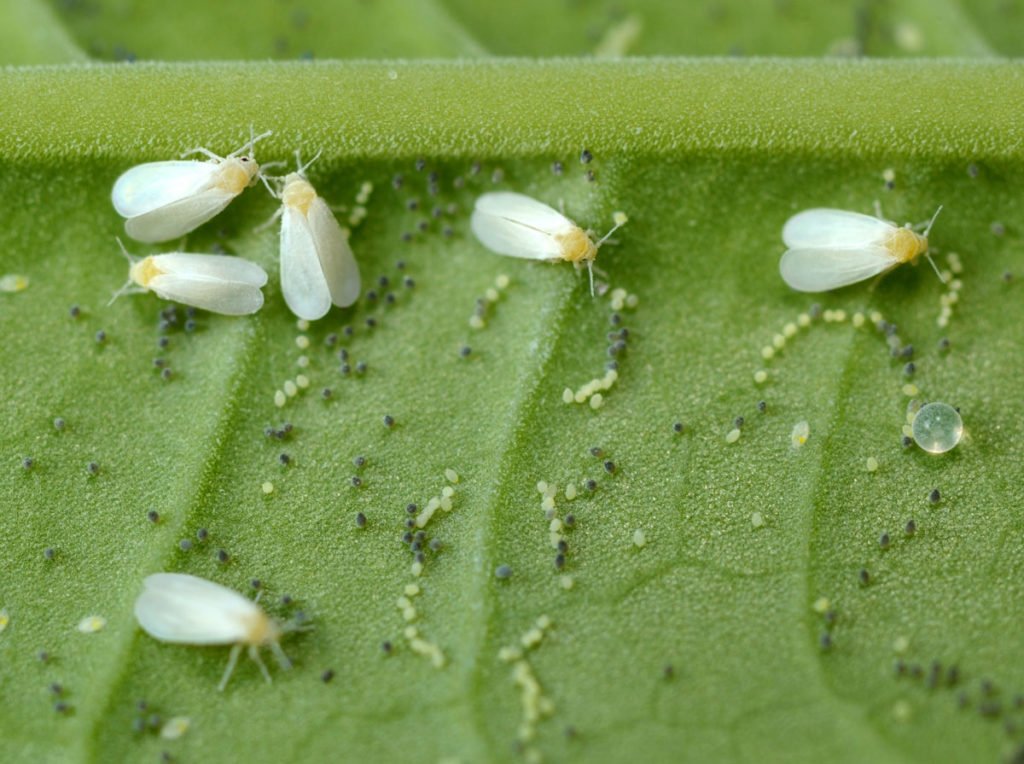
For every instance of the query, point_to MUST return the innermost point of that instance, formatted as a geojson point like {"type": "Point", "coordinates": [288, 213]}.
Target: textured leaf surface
{"type": "Point", "coordinates": [704, 644]}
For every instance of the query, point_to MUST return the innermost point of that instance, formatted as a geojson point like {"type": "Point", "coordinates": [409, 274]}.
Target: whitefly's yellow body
{"type": "Point", "coordinates": [218, 283]}
{"type": "Point", "coordinates": [831, 248]}
{"type": "Point", "coordinates": [184, 609]}
{"type": "Point", "coordinates": [318, 268]}
{"type": "Point", "coordinates": [519, 226]}
{"type": "Point", "coordinates": [906, 246]}
{"type": "Point", "coordinates": [577, 246]}
{"type": "Point", "coordinates": [166, 200]}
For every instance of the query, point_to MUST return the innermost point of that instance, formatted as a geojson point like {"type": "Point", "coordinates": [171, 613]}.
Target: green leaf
{"type": "Point", "coordinates": [196, 29]}
{"type": "Point", "coordinates": [708, 159]}
{"type": "Point", "coordinates": [192, 29]}
{"type": "Point", "coordinates": [29, 34]}
{"type": "Point", "coordinates": [726, 27]}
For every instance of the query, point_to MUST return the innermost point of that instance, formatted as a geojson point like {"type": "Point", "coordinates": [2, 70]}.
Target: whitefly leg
{"type": "Point", "coordinates": [204, 152]}
{"type": "Point", "coordinates": [254, 654]}
{"type": "Point", "coordinates": [270, 221]}
{"type": "Point", "coordinates": [232, 661]}
{"type": "Point", "coordinates": [265, 179]}
{"type": "Point", "coordinates": [279, 654]}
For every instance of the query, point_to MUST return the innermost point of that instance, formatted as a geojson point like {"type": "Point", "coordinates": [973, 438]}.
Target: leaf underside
{"type": "Point", "coordinates": [700, 639]}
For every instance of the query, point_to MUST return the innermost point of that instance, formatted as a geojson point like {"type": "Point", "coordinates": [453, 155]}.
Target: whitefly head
{"type": "Point", "coordinates": [138, 273]}
{"type": "Point", "coordinates": [906, 245]}
{"type": "Point", "coordinates": [295, 190]}
{"type": "Point", "coordinates": [298, 192]}
{"type": "Point", "coordinates": [239, 169]}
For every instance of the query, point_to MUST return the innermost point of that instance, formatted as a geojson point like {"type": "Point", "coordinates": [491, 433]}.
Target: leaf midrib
{"type": "Point", "coordinates": [243, 359]}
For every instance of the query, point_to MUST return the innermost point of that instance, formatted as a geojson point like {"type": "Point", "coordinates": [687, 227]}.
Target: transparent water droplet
{"type": "Point", "coordinates": [938, 428]}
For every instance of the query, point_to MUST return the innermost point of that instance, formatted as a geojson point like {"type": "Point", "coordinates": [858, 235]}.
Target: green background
{"type": "Point", "coordinates": [709, 157]}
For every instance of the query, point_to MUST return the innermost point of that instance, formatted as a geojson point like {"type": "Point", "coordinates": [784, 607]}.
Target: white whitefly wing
{"type": "Point", "coordinates": [179, 217]}
{"type": "Point", "coordinates": [302, 277]}
{"type": "Point", "coordinates": [219, 267]}
{"type": "Point", "coordinates": [819, 270]}
{"type": "Point", "coordinates": [225, 297]}
{"type": "Point", "coordinates": [337, 262]}
{"type": "Point", "coordinates": [513, 206]}
{"type": "Point", "coordinates": [506, 237]}
{"type": "Point", "coordinates": [517, 225]}
{"type": "Point", "coordinates": [150, 186]}
{"type": "Point", "coordinates": [176, 607]}
{"type": "Point", "coordinates": [827, 228]}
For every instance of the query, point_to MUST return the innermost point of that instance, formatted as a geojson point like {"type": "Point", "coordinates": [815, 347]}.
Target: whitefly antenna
{"type": "Point", "coordinates": [620, 220]}
{"type": "Point", "coordinates": [128, 284]}
{"type": "Point", "coordinates": [127, 255]}
{"type": "Point", "coordinates": [928, 230]}
{"type": "Point", "coordinates": [303, 167]}
{"type": "Point", "coordinates": [251, 143]}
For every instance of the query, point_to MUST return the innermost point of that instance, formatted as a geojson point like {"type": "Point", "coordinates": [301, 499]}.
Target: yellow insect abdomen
{"type": "Point", "coordinates": [576, 246]}
{"type": "Point", "coordinates": [234, 175]}
{"type": "Point", "coordinates": [905, 245]}
{"type": "Point", "coordinates": [144, 271]}
{"type": "Point", "coordinates": [298, 193]}
{"type": "Point", "coordinates": [261, 630]}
